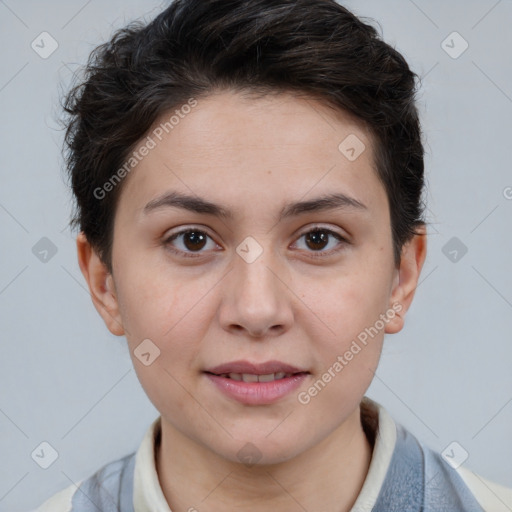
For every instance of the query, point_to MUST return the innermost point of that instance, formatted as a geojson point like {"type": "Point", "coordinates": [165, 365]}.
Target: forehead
{"type": "Point", "coordinates": [231, 147]}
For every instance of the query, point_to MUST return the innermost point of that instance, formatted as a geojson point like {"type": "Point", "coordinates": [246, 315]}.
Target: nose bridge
{"type": "Point", "coordinates": [256, 300]}
{"type": "Point", "coordinates": [255, 281]}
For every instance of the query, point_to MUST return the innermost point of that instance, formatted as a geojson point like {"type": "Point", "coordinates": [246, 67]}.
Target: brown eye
{"type": "Point", "coordinates": [194, 240]}
{"type": "Point", "coordinates": [190, 242]}
{"type": "Point", "coordinates": [317, 239]}
{"type": "Point", "coordinates": [321, 242]}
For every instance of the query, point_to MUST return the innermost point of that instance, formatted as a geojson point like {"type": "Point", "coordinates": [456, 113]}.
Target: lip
{"type": "Point", "coordinates": [265, 368]}
{"type": "Point", "coordinates": [256, 393]}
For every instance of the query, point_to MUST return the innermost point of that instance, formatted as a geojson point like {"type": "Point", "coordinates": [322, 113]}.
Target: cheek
{"type": "Point", "coordinates": [350, 302]}
{"type": "Point", "coordinates": [158, 303]}
{"type": "Point", "coordinates": [347, 357]}
{"type": "Point", "coordinates": [165, 311]}
{"type": "Point", "coordinates": [168, 310]}
{"type": "Point", "coordinates": [348, 341]}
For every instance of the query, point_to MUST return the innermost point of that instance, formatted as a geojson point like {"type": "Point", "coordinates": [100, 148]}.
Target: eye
{"type": "Point", "coordinates": [189, 241]}
{"type": "Point", "coordinates": [322, 241]}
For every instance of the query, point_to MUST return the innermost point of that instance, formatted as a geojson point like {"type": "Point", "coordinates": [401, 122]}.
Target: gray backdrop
{"type": "Point", "coordinates": [67, 381]}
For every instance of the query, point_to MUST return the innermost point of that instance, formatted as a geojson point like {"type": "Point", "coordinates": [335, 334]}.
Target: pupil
{"type": "Point", "coordinates": [317, 239]}
{"type": "Point", "coordinates": [194, 240]}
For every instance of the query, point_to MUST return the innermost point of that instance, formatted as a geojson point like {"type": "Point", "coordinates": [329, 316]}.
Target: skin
{"type": "Point", "coordinates": [253, 156]}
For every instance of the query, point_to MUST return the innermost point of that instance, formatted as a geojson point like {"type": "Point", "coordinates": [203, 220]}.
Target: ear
{"type": "Point", "coordinates": [101, 285]}
{"type": "Point", "coordinates": [406, 278]}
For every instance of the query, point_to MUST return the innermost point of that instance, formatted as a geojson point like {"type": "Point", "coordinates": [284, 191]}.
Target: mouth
{"type": "Point", "coordinates": [256, 383]}
{"type": "Point", "coordinates": [242, 367]}
{"type": "Point", "coordinates": [252, 377]}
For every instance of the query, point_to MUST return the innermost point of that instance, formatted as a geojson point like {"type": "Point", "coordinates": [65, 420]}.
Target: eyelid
{"type": "Point", "coordinates": [188, 227]}
{"type": "Point", "coordinates": [323, 227]}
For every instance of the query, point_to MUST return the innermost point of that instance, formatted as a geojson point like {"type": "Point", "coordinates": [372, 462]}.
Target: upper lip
{"type": "Point", "coordinates": [265, 368]}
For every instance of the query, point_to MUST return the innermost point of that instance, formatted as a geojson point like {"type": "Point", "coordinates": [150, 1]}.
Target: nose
{"type": "Point", "coordinates": [256, 301]}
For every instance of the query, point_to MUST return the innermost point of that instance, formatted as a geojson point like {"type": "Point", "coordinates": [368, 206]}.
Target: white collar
{"type": "Point", "coordinates": [148, 495]}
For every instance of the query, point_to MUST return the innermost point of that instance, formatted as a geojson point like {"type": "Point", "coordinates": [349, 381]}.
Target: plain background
{"type": "Point", "coordinates": [447, 376]}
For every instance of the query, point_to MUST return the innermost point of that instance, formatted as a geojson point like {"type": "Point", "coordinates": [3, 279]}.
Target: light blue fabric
{"type": "Point", "coordinates": [418, 480]}
{"type": "Point", "coordinates": [109, 490]}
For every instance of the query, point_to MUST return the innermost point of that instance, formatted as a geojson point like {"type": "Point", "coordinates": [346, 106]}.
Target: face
{"type": "Point", "coordinates": [246, 235]}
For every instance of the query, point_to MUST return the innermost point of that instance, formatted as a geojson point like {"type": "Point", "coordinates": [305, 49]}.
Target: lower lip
{"type": "Point", "coordinates": [257, 393]}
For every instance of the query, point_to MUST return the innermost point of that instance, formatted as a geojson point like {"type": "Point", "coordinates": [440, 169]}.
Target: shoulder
{"type": "Point", "coordinates": [409, 471]}
{"type": "Point", "coordinates": [492, 497]}
{"type": "Point", "coordinates": [442, 477]}
{"type": "Point", "coordinates": [111, 486]}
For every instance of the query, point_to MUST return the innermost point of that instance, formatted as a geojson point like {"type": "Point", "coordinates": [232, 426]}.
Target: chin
{"type": "Point", "coordinates": [260, 450]}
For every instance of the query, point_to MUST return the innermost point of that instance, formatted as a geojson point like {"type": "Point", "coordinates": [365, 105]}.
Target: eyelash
{"type": "Point", "coordinates": [315, 254]}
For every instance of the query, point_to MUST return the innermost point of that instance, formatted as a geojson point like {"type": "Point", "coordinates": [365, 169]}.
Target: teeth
{"type": "Point", "coordinates": [249, 377]}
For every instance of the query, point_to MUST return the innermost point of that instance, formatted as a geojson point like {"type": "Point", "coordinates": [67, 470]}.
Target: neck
{"type": "Point", "coordinates": [327, 477]}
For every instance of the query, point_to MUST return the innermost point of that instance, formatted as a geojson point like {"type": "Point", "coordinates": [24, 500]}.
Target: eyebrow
{"type": "Point", "coordinates": [199, 205]}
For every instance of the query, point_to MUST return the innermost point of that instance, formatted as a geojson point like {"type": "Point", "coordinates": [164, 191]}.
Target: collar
{"type": "Point", "coordinates": [377, 423]}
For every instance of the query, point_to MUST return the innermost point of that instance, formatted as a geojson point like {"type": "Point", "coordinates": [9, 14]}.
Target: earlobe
{"type": "Point", "coordinates": [406, 279]}
{"type": "Point", "coordinates": [101, 285]}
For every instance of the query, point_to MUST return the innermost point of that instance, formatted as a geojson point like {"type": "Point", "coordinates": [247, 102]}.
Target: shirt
{"type": "Point", "coordinates": [404, 476]}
